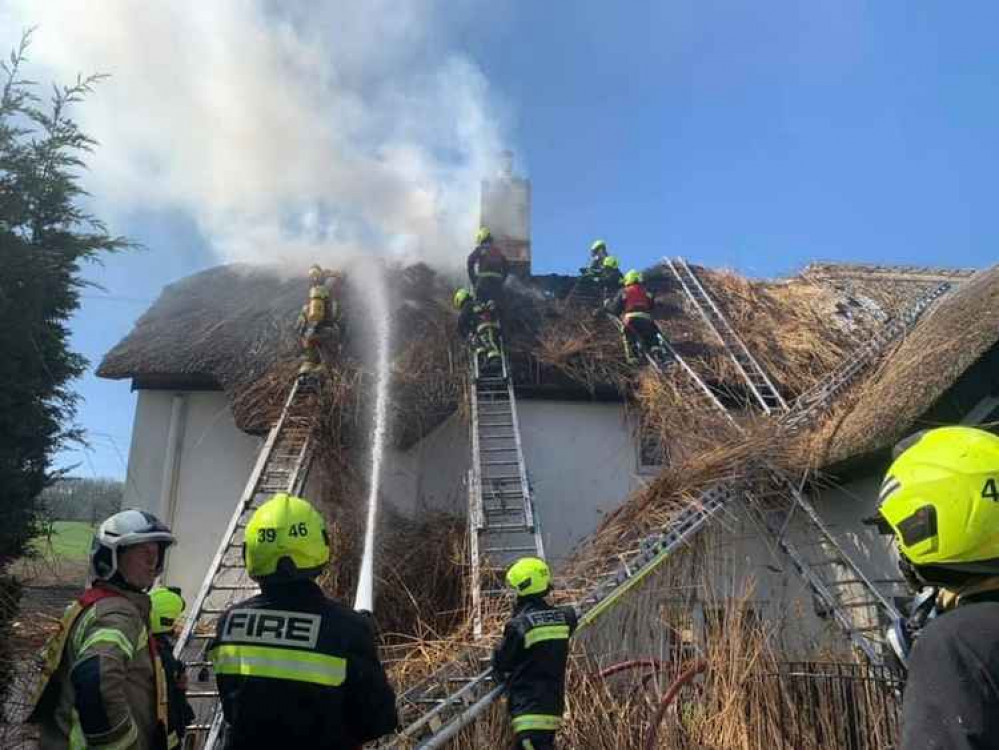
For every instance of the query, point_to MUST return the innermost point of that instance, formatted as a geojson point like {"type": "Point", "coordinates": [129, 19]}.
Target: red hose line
{"type": "Point", "coordinates": [668, 698]}
{"type": "Point", "coordinates": [624, 666]}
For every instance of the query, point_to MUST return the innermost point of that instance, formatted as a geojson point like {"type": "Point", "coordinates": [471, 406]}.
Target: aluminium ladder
{"type": "Point", "coordinates": [436, 709]}
{"type": "Point", "coordinates": [760, 386]}
{"type": "Point", "coordinates": [503, 525]}
{"type": "Point", "coordinates": [281, 466]}
{"type": "Point", "coordinates": [819, 397]}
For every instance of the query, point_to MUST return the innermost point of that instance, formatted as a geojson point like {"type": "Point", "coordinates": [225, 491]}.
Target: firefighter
{"type": "Point", "coordinates": [477, 324]}
{"type": "Point", "coordinates": [167, 607]}
{"type": "Point", "coordinates": [487, 269]}
{"type": "Point", "coordinates": [295, 669]}
{"type": "Point", "coordinates": [103, 677]}
{"type": "Point", "coordinates": [598, 253]}
{"type": "Point", "coordinates": [634, 305]}
{"type": "Point", "coordinates": [319, 317]}
{"type": "Point", "coordinates": [610, 278]}
{"type": "Point", "coordinates": [940, 503]}
{"type": "Point", "coordinates": [531, 658]}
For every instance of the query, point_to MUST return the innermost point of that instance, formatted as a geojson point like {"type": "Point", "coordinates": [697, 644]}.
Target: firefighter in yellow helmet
{"type": "Point", "coordinates": [294, 668]}
{"type": "Point", "coordinates": [167, 607]}
{"type": "Point", "coordinates": [103, 678]}
{"type": "Point", "coordinates": [940, 503]}
{"type": "Point", "coordinates": [319, 319]}
{"type": "Point", "coordinates": [639, 331]}
{"type": "Point", "coordinates": [478, 324]}
{"type": "Point", "coordinates": [532, 656]}
{"type": "Point", "coordinates": [487, 268]}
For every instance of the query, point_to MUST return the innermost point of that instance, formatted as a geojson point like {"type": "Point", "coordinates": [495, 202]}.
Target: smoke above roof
{"type": "Point", "coordinates": [287, 132]}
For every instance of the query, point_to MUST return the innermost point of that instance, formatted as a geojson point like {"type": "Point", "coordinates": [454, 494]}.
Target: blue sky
{"type": "Point", "coordinates": [755, 136]}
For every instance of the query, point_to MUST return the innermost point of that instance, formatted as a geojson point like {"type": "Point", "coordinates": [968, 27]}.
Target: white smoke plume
{"type": "Point", "coordinates": [287, 132]}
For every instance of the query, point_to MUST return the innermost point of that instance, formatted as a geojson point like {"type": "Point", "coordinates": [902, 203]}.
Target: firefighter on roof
{"type": "Point", "coordinates": [940, 503]}
{"type": "Point", "coordinates": [319, 318]}
{"type": "Point", "coordinates": [634, 305]}
{"type": "Point", "coordinates": [479, 326]}
{"type": "Point", "coordinates": [487, 268]}
{"type": "Point", "coordinates": [295, 669]}
{"type": "Point", "coordinates": [103, 680]}
{"type": "Point", "coordinates": [532, 656]}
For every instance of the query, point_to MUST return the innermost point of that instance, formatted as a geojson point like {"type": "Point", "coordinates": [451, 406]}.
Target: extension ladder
{"type": "Point", "coordinates": [281, 466]}
{"type": "Point", "coordinates": [819, 397]}
{"type": "Point", "coordinates": [502, 523]}
{"type": "Point", "coordinates": [760, 386]}
{"type": "Point", "coordinates": [436, 709]}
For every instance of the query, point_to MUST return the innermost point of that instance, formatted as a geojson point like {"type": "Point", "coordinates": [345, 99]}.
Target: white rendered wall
{"type": "Point", "coordinates": [582, 463]}
{"type": "Point", "coordinates": [213, 463]}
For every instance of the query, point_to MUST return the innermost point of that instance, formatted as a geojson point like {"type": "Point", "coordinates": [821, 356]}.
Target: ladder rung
{"type": "Point", "coordinates": [490, 550]}
{"type": "Point", "coordinates": [508, 527]}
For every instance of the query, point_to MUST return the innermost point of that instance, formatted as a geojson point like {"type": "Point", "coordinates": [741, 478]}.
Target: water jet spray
{"type": "Point", "coordinates": [364, 598]}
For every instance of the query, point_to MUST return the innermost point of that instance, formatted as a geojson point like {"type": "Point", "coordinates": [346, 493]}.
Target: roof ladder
{"type": "Point", "coordinates": [761, 387]}
{"type": "Point", "coordinates": [819, 397]}
{"type": "Point", "coordinates": [282, 465]}
{"type": "Point", "coordinates": [503, 525]}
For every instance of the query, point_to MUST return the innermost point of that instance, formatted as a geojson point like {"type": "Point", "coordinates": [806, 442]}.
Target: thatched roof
{"type": "Point", "coordinates": [232, 327]}
{"type": "Point", "coordinates": [227, 325]}
{"type": "Point", "coordinates": [961, 330]}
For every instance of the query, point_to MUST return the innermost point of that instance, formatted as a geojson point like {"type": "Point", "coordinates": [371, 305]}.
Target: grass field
{"type": "Point", "coordinates": [70, 541]}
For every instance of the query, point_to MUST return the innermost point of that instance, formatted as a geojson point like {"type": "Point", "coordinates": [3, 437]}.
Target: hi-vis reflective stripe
{"type": "Point", "coordinates": [107, 635]}
{"type": "Point", "coordinates": [490, 275]}
{"type": "Point", "coordinates": [536, 723]}
{"type": "Point", "coordinates": [279, 664]}
{"type": "Point", "coordinates": [546, 633]}
{"type": "Point", "coordinates": [637, 314]}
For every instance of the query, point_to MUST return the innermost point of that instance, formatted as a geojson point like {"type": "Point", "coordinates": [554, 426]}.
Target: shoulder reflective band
{"type": "Point", "coordinates": [536, 723]}
{"type": "Point", "coordinates": [107, 635]}
{"type": "Point", "coordinates": [279, 664]}
{"type": "Point", "coordinates": [546, 633]}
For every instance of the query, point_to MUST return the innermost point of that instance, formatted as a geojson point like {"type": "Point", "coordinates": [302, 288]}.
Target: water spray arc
{"type": "Point", "coordinates": [364, 598]}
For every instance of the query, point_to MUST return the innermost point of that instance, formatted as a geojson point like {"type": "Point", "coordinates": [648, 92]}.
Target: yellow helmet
{"type": "Point", "coordinates": [940, 499]}
{"type": "Point", "coordinates": [286, 539]}
{"type": "Point", "coordinates": [529, 576]}
{"type": "Point", "coordinates": [611, 262]}
{"type": "Point", "coordinates": [460, 297]}
{"type": "Point", "coordinates": [632, 277]}
{"type": "Point", "coordinates": [166, 608]}
{"type": "Point", "coordinates": [483, 235]}
{"type": "Point", "coordinates": [598, 247]}
{"type": "Point", "coordinates": [315, 273]}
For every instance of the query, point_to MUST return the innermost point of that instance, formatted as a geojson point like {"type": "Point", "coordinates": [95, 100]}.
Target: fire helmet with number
{"type": "Point", "coordinates": [286, 540]}
{"type": "Point", "coordinates": [940, 501]}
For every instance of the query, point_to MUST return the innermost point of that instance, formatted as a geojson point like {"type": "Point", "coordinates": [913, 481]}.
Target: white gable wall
{"type": "Point", "coordinates": [581, 461]}
{"type": "Point", "coordinates": [212, 460]}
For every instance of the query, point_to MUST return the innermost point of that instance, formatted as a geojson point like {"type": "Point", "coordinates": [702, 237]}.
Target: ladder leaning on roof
{"type": "Point", "coordinates": [454, 696]}
{"type": "Point", "coordinates": [760, 385]}
{"type": "Point", "coordinates": [281, 466]}
{"type": "Point", "coordinates": [503, 525]}
{"type": "Point", "coordinates": [819, 397]}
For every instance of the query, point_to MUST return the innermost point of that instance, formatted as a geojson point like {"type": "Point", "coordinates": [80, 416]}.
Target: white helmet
{"type": "Point", "coordinates": [124, 529]}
